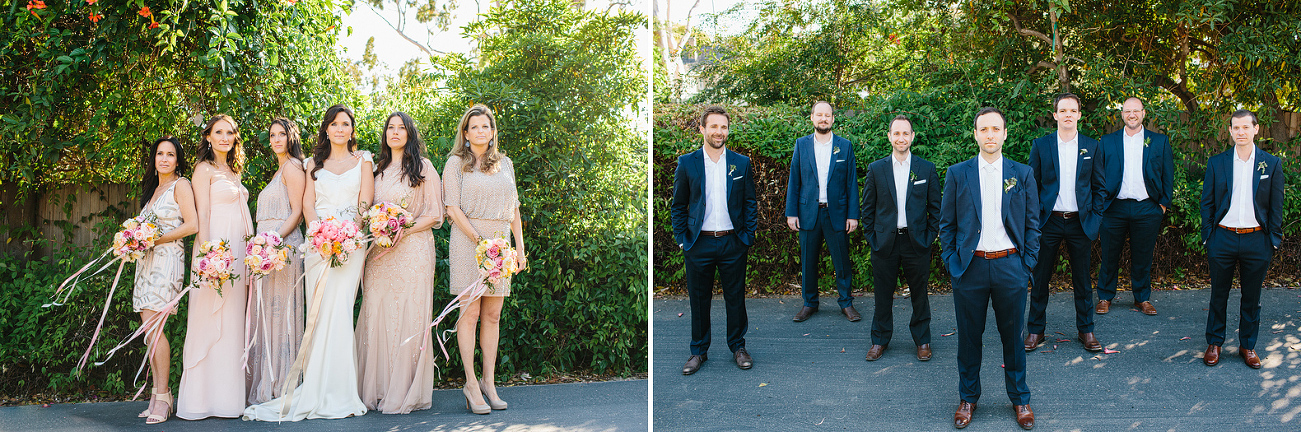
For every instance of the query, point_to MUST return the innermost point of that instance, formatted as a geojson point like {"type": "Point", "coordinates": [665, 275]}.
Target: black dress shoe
{"type": "Point", "coordinates": [851, 313]}
{"type": "Point", "coordinates": [805, 313]}
{"type": "Point", "coordinates": [693, 364]}
{"type": "Point", "coordinates": [743, 359]}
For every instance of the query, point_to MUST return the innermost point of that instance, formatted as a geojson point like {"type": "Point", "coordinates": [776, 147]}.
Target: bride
{"type": "Point", "coordinates": [340, 183]}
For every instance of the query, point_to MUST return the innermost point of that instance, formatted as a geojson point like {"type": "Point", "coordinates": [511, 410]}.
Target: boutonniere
{"type": "Point", "coordinates": [1147, 142]}
{"type": "Point", "coordinates": [1009, 184]}
{"type": "Point", "coordinates": [835, 150]}
{"type": "Point", "coordinates": [912, 176]}
{"type": "Point", "coordinates": [731, 169]}
{"type": "Point", "coordinates": [1261, 166]}
{"type": "Point", "coordinates": [1083, 151]}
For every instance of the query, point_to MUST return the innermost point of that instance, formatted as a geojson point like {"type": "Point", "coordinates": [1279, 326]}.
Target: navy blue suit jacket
{"type": "Point", "coordinates": [1158, 165]}
{"type": "Point", "coordinates": [688, 207]}
{"type": "Point", "coordinates": [880, 208]}
{"type": "Point", "coordinates": [842, 183]}
{"type": "Point", "coordinates": [960, 214]}
{"type": "Point", "coordinates": [1090, 188]}
{"type": "Point", "coordinates": [1266, 190]}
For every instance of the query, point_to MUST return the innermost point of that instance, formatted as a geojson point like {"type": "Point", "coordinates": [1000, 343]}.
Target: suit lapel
{"type": "Point", "coordinates": [1147, 158]}
{"type": "Point", "coordinates": [1054, 156]}
{"type": "Point", "coordinates": [1079, 164]}
{"type": "Point", "coordinates": [1007, 197]}
{"type": "Point", "coordinates": [973, 178]}
{"type": "Point", "coordinates": [811, 156]}
{"type": "Point", "coordinates": [1255, 173]}
{"type": "Point", "coordinates": [890, 180]}
{"type": "Point", "coordinates": [727, 167]}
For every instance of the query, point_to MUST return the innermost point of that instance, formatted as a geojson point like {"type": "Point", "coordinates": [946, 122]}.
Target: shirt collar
{"type": "Point", "coordinates": [704, 153]}
{"type": "Point", "coordinates": [824, 143]}
{"type": "Point", "coordinates": [906, 159]}
{"type": "Point", "coordinates": [1251, 156]}
{"type": "Point", "coordinates": [1073, 141]}
{"type": "Point", "coordinates": [997, 163]}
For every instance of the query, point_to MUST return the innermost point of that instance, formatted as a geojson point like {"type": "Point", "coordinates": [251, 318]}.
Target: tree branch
{"type": "Point", "coordinates": [1027, 32]}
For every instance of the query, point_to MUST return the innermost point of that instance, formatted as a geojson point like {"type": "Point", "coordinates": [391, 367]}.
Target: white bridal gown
{"type": "Point", "coordinates": [329, 385]}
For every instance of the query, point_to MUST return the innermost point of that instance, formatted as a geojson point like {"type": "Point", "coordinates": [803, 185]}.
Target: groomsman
{"type": "Point", "coordinates": [715, 215]}
{"type": "Point", "coordinates": [989, 239]}
{"type": "Point", "coordinates": [822, 204]}
{"type": "Point", "coordinates": [1139, 170]}
{"type": "Point", "coordinates": [1242, 226]}
{"type": "Point", "coordinates": [901, 210]}
{"type": "Point", "coordinates": [1071, 192]}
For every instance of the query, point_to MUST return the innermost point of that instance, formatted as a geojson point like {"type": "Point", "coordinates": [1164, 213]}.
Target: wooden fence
{"type": "Point", "coordinates": [66, 215]}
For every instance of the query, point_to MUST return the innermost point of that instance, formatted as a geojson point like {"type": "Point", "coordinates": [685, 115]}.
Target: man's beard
{"type": "Point", "coordinates": [821, 130]}
{"type": "Point", "coordinates": [716, 145]}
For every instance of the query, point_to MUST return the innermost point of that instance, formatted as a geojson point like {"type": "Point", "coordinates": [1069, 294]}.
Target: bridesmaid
{"type": "Point", "coordinates": [394, 353]}
{"type": "Point", "coordinates": [280, 327]}
{"type": "Point", "coordinates": [168, 196]}
{"type": "Point", "coordinates": [214, 338]}
{"type": "Point", "coordinates": [482, 202]}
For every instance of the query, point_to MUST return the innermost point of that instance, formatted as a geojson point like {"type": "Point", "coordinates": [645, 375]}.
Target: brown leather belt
{"type": "Point", "coordinates": [1243, 230]}
{"type": "Point", "coordinates": [1066, 215]}
{"type": "Point", "coordinates": [995, 254]}
{"type": "Point", "coordinates": [716, 233]}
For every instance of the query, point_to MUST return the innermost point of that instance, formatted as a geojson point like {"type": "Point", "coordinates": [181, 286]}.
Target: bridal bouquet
{"type": "Point", "coordinates": [138, 234]}
{"type": "Point", "coordinates": [265, 253]}
{"type": "Point", "coordinates": [335, 239]}
{"type": "Point", "coordinates": [386, 221]}
{"type": "Point", "coordinates": [215, 265]}
{"type": "Point", "coordinates": [497, 260]}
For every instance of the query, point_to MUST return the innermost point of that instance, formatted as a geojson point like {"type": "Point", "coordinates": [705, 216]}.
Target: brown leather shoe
{"type": "Point", "coordinates": [851, 313]}
{"type": "Point", "coordinates": [924, 352]}
{"type": "Point", "coordinates": [1212, 355]}
{"type": "Point", "coordinates": [1090, 343]}
{"type": "Point", "coordinates": [1146, 308]}
{"type": "Point", "coordinates": [962, 418]}
{"type": "Point", "coordinates": [693, 364]}
{"type": "Point", "coordinates": [875, 352]}
{"type": "Point", "coordinates": [1024, 416]}
{"type": "Point", "coordinates": [1249, 356]}
{"type": "Point", "coordinates": [1033, 341]}
{"type": "Point", "coordinates": [1103, 307]}
{"type": "Point", "coordinates": [805, 313]}
{"type": "Point", "coordinates": [743, 359]}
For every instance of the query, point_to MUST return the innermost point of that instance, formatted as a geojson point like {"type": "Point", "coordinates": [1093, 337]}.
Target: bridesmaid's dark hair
{"type": "Point", "coordinates": [150, 181]}
{"type": "Point", "coordinates": [321, 150]}
{"type": "Point", "coordinates": [411, 155]}
{"type": "Point", "coordinates": [234, 158]}
{"type": "Point", "coordinates": [293, 142]}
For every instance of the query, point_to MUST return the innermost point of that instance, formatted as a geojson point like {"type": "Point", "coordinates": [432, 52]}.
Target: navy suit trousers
{"type": "Point", "coordinates": [1079, 248]}
{"type": "Point", "coordinates": [916, 264]}
{"type": "Point", "coordinates": [811, 238]}
{"type": "Point", "coordinates": [1250, 254]}
{"type": "Point", "coordinates": [725, 257]}
{"type": "Point", "coordinates": [1140, 221]}
{"type": "Point", "coordinates": [1001, 282]}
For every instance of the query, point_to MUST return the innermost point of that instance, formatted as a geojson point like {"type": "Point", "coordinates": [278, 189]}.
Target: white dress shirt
{"type": "Point", "coordinates": [1067, 153]}
{"type": "Point", "coordinates": [901, 170]}
{"type": "Point", "coordinates": [716, 216]}
{"type": "Point", "coordinates": [822, 154]}
{"type": "Point", "coordinates": [1242, 212]}
{"type": "Point", "coordinates": [993, 235]}
{"type": "Point", "coordinates": [1132, 185]}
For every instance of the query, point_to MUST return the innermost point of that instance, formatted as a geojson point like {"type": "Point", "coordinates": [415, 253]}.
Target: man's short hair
{"type": "Point", "coordinates": [899, 117]}
{"type": "Point", "coordinates": [711, 110]}
{"type": "Point", "coordinates": [987, 110]}
{"type": "Point", "coordinates": [1244, 113]}
{"type": "Point", "coordinates": [816, 103]}
{"type": "Point", "coordinates": [1065, 96]}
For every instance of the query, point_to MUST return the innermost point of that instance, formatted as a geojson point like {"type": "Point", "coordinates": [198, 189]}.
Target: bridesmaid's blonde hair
{"type": "Point", "coordinates": [461, 148]}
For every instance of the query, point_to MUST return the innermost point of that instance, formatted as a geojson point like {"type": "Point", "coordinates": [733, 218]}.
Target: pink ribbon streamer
{"type": "Point", "coordinates": [468, 295]}
{"type": "Point", "coordinates": [74, 279]}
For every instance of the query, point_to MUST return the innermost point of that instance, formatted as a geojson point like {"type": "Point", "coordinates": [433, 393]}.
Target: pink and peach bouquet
{"type": "Point", "coordinates": [386, 221]}
{"type": "Point", "coordinates": [334, 239]}
{"type": "Point", "coordinates": [215, 265]}
{"type": "Point", "coordinates": [497, 260]}
{"type": "Point", "coordinates": [265, 253]}
{"type": "Point", "coordinates": [138, 234]}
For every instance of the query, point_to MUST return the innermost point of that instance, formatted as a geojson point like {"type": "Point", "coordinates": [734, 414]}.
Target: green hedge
{"type": "Point", "coordinates": [942, 120]}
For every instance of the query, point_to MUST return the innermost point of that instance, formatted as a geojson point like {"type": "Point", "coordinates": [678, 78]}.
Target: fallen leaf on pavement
{"type": "Point", "coordinates": [949, 334]}
{"type": "Point", "coordinates": [1109, 351]}
{"type": "Point", "coordinates": [762, 384]}
{"type": "Point", "coordinates": [1063, 340]}
{"type": "Point", "coordinates": [842, 349]}
{"type": "Point", "coordinates": [1185, 338]}
{"type": "Point", "coordinates": [679, 313]}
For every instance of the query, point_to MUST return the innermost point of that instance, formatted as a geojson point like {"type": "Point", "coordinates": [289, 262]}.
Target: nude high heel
{"type": "Point", "coordinates": [164, 398]}
{"type": "Point", "coordinates": [495, 404]}
{"type": "Point", "coordinates": [474, 408]}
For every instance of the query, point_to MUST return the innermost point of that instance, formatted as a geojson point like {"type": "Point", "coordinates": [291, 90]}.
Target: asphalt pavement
{"type": "Point", "coordinates": [601, 406]}
{"type": "Point", "coordinates": [813, 376]}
